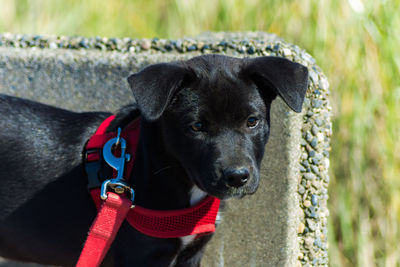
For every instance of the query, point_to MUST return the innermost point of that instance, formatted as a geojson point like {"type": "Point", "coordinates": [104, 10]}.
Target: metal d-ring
{"type": "Point", "coordinates": [117, 184]}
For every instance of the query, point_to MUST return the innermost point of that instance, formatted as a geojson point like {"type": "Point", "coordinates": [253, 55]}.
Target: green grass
{"type": "Point", "coordinates": [357, 47]}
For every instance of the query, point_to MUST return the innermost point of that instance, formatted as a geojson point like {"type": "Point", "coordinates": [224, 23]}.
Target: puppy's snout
{"type": "Point", "coordinates": [236, 177]}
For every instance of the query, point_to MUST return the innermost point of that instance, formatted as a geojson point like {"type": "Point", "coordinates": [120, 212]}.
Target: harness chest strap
{"type": "Point", "coordinates": [198, 219]}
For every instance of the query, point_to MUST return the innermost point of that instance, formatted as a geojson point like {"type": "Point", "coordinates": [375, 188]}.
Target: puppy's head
{"type": "Point", "coordinates": [214, 113]}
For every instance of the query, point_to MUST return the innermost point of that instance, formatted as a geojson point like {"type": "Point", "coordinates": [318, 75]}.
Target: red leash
{"type": "Point", "coordinates": [111, 213]}
{"type": "Point", "coordinates": [104, 229]}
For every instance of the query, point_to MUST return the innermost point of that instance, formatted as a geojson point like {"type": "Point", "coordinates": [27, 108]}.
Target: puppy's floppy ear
{"type": "Point", "coordinates": [286, 78]}
{"type": "Point", "coordinates": [154, 87]}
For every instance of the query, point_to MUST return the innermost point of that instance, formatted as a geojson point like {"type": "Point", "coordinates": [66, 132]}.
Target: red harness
{"type": "Point", "coordinates": [198, 219]}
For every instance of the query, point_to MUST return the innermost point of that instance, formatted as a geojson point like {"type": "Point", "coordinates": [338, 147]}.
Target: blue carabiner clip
{"type": "Point", "coordinates": [117, 184]}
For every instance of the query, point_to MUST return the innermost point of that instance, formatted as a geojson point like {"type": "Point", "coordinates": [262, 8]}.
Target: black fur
{"type": "Point", "coordinates": [45, 209]}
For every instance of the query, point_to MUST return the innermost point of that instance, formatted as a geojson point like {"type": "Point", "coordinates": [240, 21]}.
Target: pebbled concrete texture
{"type": "Point", "coordinates": [274, 227]}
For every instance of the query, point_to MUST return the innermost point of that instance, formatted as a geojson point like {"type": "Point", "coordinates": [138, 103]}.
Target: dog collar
{"type": "Point", "coordinates": [196, 220]}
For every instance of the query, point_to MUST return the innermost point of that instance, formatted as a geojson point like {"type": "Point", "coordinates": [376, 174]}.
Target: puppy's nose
{"type": "Point", "coordinates": [236, 177]}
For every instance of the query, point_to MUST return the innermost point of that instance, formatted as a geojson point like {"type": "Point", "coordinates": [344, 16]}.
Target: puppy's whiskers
{"type": "Point", "coordinates": [161, 170]}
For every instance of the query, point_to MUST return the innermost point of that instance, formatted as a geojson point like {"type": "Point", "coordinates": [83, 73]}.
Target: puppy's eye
{"type": "Point", "coordinates": [197, 126]}
{"type": "Point", "coordinates": [252, 122]}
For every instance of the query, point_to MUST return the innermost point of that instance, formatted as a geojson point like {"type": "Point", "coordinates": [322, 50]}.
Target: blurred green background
{"type": "Point", "coordinates": [356, 42]}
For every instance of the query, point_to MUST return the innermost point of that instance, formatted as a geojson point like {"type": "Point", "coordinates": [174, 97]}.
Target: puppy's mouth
{"type": "Point", "coordinates": [237, 193]}
{"type": "Point", "coordinates": [217, 187]}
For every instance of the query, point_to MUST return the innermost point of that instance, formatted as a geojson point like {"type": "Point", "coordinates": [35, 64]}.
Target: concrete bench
{"type": "Point", "coordinates": [285, 222]}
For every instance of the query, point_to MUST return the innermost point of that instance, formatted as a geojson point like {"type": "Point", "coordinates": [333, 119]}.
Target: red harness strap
{"type": "Point", "coordinates": [198, 219]}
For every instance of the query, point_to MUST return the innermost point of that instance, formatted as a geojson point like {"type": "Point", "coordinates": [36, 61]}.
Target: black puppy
{"type": "Point", "coordinates": [204, 126]}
